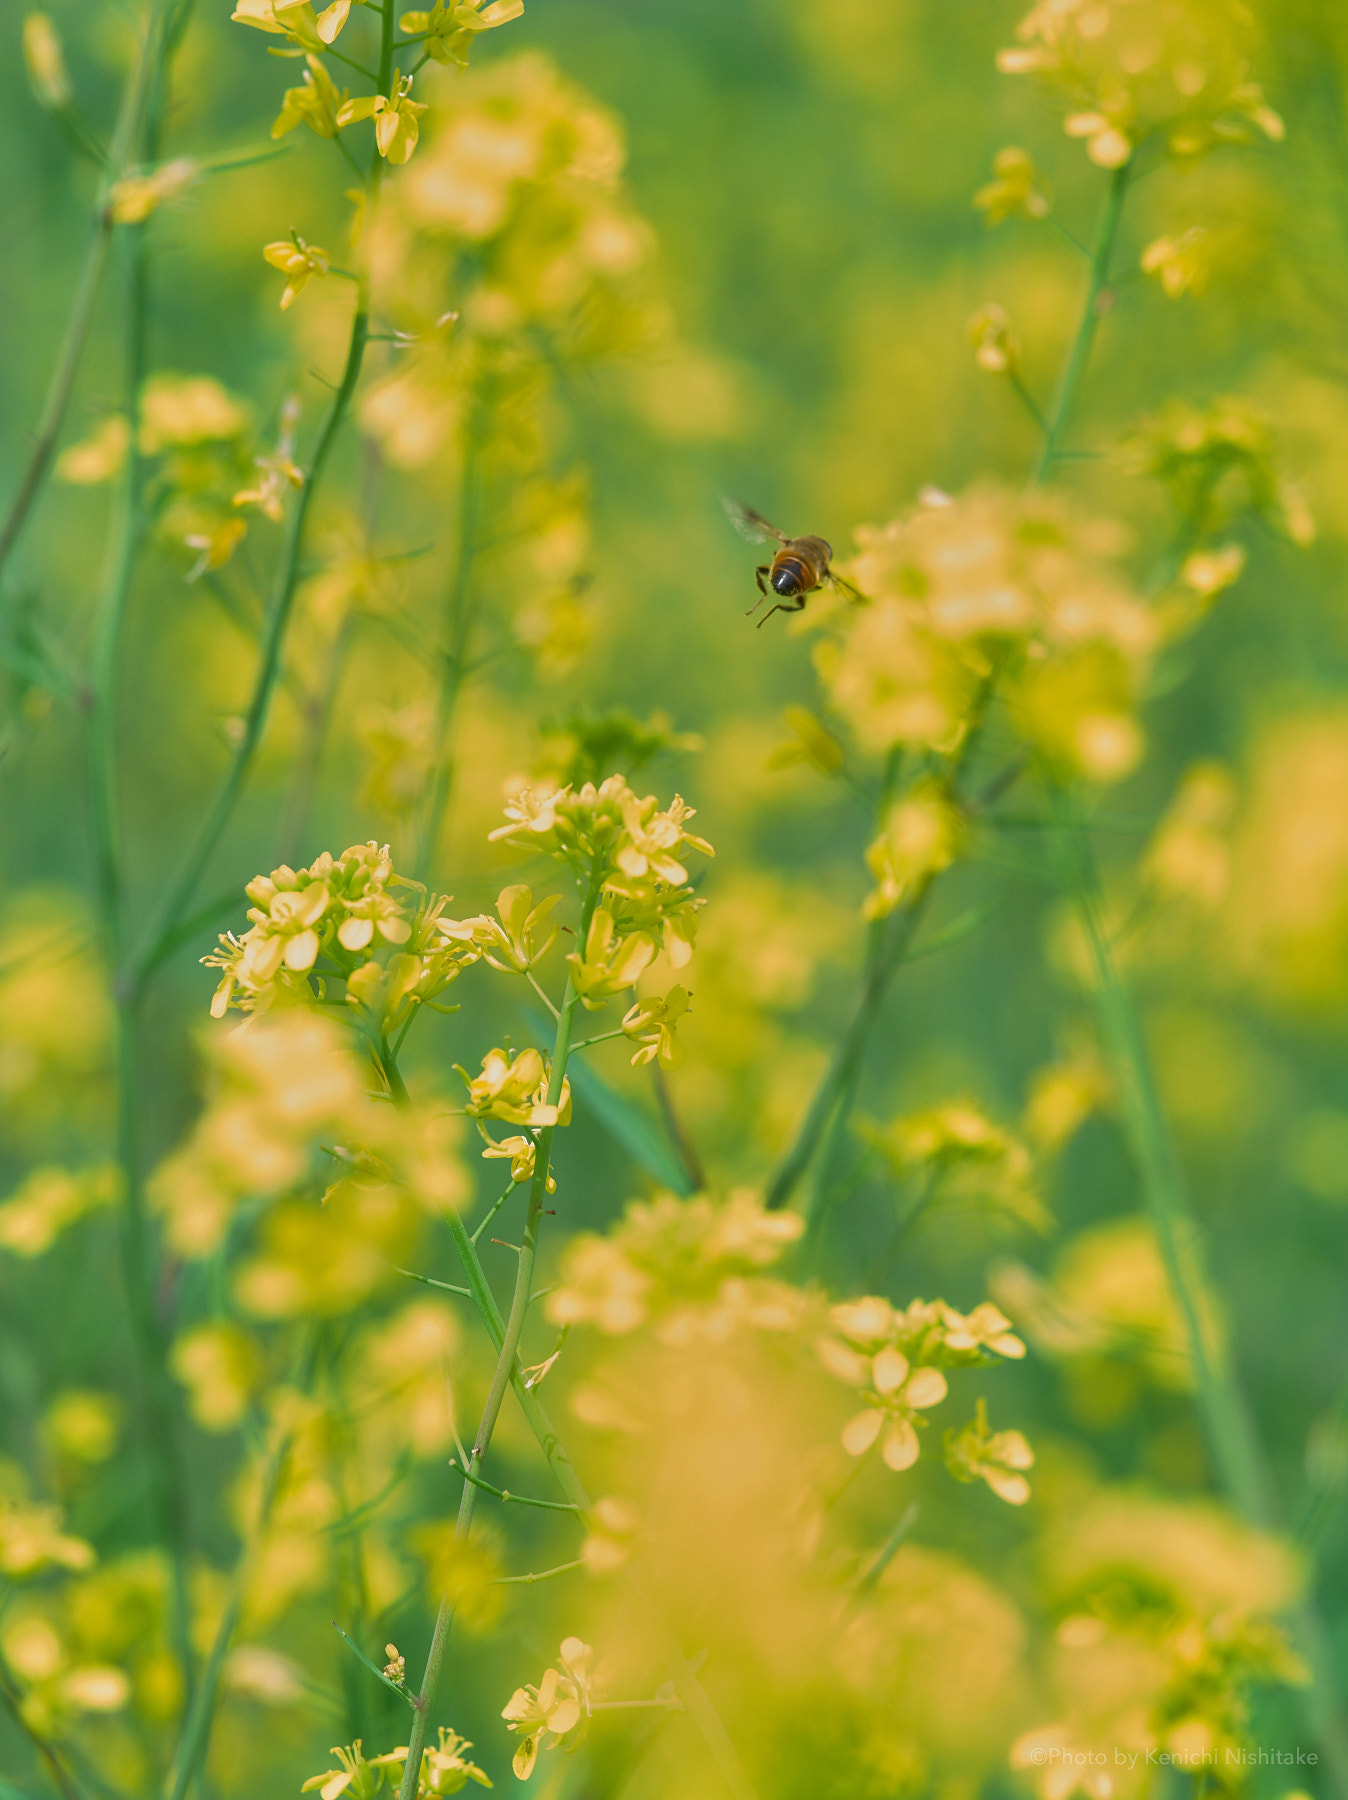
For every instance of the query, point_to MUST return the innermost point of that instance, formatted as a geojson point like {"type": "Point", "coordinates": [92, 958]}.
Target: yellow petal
{"type": "Point", "coordinates": [355, 934]}
{"type": "Point", "coordinates": [564, 1715]}
{"type": "Point", "coordinates": [900, 1448]}
{"type": "Point", "coordinates": [861, 1431]}
{"type": "Point", "coordinates": [302, 952]}
{"type": "Point", "coordinates": [926, 1387]}
{"type": "Point", "coordinates": [332, 19]}
{"type": "Point", "coordinates": [889, 1370]}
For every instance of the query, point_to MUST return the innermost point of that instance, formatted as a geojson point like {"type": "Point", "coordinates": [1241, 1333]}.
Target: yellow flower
{"type": "Point", "coordinates": [99, 457]}
{"type": "Point", "coordinates": [923, 834]}
{"type": "Point", "coordinates": [294, 19]}
{"type": "Point", "coordinates": [135, 197]}
{"type": "Point", "coordinates": [50, 1201]}
{"type": "Point", "coordinates": [316, 104]}
{"type": "Point", "coordinates": [613, 1529]}
{"type": "Point", "coordinates": [810, 742]}
{"type": "Point", "coordinates": [995, 345]}
{"type": "Point", "coordinates": [355, 1777]}
{"type": "Point", "coordinates": [448, 31]}
{"type": "Point", "coordinates": [298, 262]}
{"type": "Point", "coordinates": [559, 1707]}
{"type": "Point", "coordinates": [652, 1023]}
{"type": "Point", "coordinates": [395, 118]}
{"type": "Point", "coordinates": [215, 547]}
{"type": "Point", "coordinates": [1017, 190]}
{"type": "Point", "coordinates": [177, 411]}
{"type": "Point", "coordinates": [898, 1392]}
{"type": "Point", "coordinates": [220, 1367]}
{"type": "Point", "coordinates": [445, 1769]}
{"type": "Point", "coordinates": [83, 1425]}
{"type": "Point", "coordinates": [986, 1327]}
{"type": "Point", "coordinates": [510, 946]}
{"type": "Point", "coordinates": [1180, 264]}
{"type": "Point", "coordinates": [279, 471]}
{"type": "Point", "coordinates": [31, 1540]}
{"type": "Point", "coordinates": [521, 1152]}
{"type": "Point", "coordinates": [45, 62]}
{"type": "Point", "coordinates": [652, 837]}
{"type": "Point", "coordinates": [1107, 145]}
{"type": "Point", "coordinates": [997, 1457]}
{"type": "Point", "coordinates": [515, 1089]}
{"type": "Point", "coordinates": [611, 963]}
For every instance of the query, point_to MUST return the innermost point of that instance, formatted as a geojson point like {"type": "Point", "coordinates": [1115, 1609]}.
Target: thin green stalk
{"type": "Point", "coordinates": [278, 619]}
{"type": "Point", "coordinates": [542, 1575]}
{"type": "Point", "coordinates": [501, 1376]}
{"type": "Point", "coordinates": [456, 635]}
{"type": "Point", "coordinates": [888, 945]}
{"type": "Point", "coordinates": [61, 385]}
{"type": "Point", "coordinates": [316, 712]}
{"type": "Point", "coordinates": [195, 1738]}
{"type": "Point", "coordinates": [1228, 1427]}
{"type": "Point", "coordinates": [1074, 367]}
{"type": "Point", "coordinates": [1234, 1445]}
{"type": "Point", "coordinates": [886, 950]}
{"type": "Point", "coordinates": [689, 1689]}
{"type": "Point", "coordinates": [50, 1754]}
{"type": "Point", "coordinates": [162, 1436]}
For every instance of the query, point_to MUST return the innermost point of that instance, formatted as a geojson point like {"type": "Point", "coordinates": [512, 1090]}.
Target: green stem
{"type": "Point", "coordinates": [192, 1745]}
{"type": "Point", "coordinates": [505, 1495]}
{"type": "Point", "coordinates": [1232, 1441]}
{"type": "Point", "coordinates": [689, 1689]}
{"type": "Point", "coordinates": [506, 1363]}
{"type": "Point", "coordinates": [542, 1575]}
{"type": "Point", "coordinates": [274, 635]}
{"type": "Point", "coordinates": [496, 1206]}
{"type": "Point", "coordinates": [888, 945]}
{"type": "Point", "coordinates": [1078, 355]}
{"type": "Point", "coordinates": [63, 376]}
{"type": "Point", "coordinates": [161, 1429]}
{"type": "Point", "coordinates": [51, 1756]}
{"type": "Point", "coordinates": [456, 633]}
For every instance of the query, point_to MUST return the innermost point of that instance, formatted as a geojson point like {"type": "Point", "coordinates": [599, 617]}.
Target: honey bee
{"type": "Point", "coordinates": [798, 568]}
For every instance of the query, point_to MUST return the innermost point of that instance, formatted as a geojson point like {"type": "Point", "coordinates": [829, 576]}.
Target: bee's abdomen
{"type": "Point", "coordinates": [791, 575]}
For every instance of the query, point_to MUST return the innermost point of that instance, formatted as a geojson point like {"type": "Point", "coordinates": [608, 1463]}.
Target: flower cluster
{"type": "Point", "coordinates": [922, 834]}
{"type": "Point", "coordinates": [629, 857]}
{"type": "Point", "coordinates": [691, 1268]}
{"type": "Point", "coordinates": [339, 922]}
{"type": "Point", "coordinates": [512, 214]}
{"type": "Point", "coordinates": [895, 1361]}
{"type": "Point", "coordinates": [32, 1541]}
{"type": "Point", "coordinates": [289, 1120]}
{"type": "Point", "coordinates": [964, 1157]}
{"type": "Point", "coordinates": [558, 1709]}
{"type": "Point", "coordinates": [1218, 464]}
{"type": "Point", "coordinates": [992, 581]}
{"type": "Point", "coordinates": [1166, 1614]}
{"type": "Point", "coordinates": [1017, 189]}
{"type": "Point", "coordinates": [514, 1088]}
{"type": "Point", "coordinates": [444, 1770]}
{"type": "Point", "coordinates": [1131, 70]}
{"type": "Point", "coordinates": [49, 1202]}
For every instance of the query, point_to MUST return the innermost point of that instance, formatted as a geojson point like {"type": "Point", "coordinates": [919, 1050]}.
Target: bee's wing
{"type": "Point", "coordinates": [845, 587]}
{"type": "Point", "coordinates": [751, 524]}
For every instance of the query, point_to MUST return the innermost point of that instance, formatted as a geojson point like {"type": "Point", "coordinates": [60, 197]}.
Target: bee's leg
{"type": "Point", "coordinates": [766, 569]}
{"type": "Point", "coordinates": [782, 606]}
